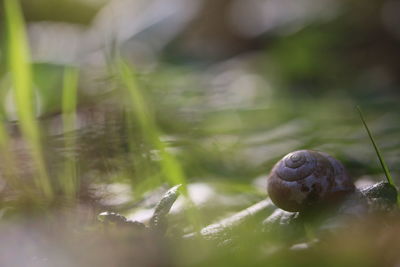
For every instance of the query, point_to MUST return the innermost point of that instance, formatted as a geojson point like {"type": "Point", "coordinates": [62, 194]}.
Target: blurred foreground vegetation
{"type": "Point", "coordinates": [106, 116]}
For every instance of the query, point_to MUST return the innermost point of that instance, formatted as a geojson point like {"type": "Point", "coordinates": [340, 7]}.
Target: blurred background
{"type": "Point", "coordinates": [232, 85]}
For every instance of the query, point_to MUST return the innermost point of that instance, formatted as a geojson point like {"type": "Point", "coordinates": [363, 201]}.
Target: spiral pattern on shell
{"type": "Point", "coordinates": [307, 178]}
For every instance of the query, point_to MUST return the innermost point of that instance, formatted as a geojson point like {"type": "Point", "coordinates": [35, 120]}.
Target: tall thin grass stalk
{"type": "Point", "coordinates": [8, 157]}
{"type": "Point", "coordinates": [20, 68]}
{"type": "Point", "coordinates": [142, 167]}
{"type": "Point", "coordinates": [69, 181]}
{"type": "Point", "coordinates": [171, 168]}
{"type": "Point", "coordinates": [378, 153]}
{"type": "Point", "coordinates": [4, 138]}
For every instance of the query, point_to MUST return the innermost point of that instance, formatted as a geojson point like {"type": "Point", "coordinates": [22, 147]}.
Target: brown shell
{"type": "Point", "coordinates": [306, 178]}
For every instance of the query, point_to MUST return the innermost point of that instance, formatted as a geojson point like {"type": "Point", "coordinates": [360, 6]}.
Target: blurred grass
{"type": "Point", "coordinates": [69, 102]}
{"type": "Point", "coordinates": [171, 168]}
{"type": "Point", "coordinates": [8, 155]}
{"type": "Point", "coordinates": [24, 95]}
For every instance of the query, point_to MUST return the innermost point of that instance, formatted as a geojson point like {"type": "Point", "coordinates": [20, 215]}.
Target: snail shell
{"type": "Point", "coordinates": [307, 178]}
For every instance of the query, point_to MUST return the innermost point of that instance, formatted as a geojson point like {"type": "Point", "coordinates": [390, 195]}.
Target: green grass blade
{"type": "Point", "coordinates": [19, 66]}
{"type": "Point", "coordinates": [379, 154]}
{"type": "Point", "coordinates": [69, 98]}
{"type": "Point", "coordinates": [170, 166]}
{"type": "Point", "coordinates": [8, 157]}
{"type": "Point", "coordinates": [69, 102]}
{"type": "Point", "coordinates": [4, 138]}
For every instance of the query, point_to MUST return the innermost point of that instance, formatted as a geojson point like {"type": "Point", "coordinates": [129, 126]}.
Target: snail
{"type": "Point", "coordinates": [304, 179]}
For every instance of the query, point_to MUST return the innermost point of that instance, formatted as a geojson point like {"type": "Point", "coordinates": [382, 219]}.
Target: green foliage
{"type": "Point", "coordinates": [19, 65]}
{"type": "Point", "coordinates": [171, 168]}
{"type": "Point", "coordinates": [69, 101]}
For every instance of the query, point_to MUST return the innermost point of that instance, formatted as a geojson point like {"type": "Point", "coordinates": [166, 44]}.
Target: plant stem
{"type": "Point", "coordinates": [379, 154]}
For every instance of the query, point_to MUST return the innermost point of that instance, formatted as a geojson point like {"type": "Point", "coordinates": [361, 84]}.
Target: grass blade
{"type": "Point", "coordinates": [20, 68]}
{"type": "Point", "coordinates": [69, 102]}
{"type": "Point", "coordinates": [171, 168]}
{"type": "Point", "coordinates": [379, 154]}
{"type": "Point", "coordinates": [8, 157]}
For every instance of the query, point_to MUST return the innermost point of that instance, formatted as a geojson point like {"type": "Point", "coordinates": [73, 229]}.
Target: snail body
{"type": "Point", "coordinates": [307, 178]}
